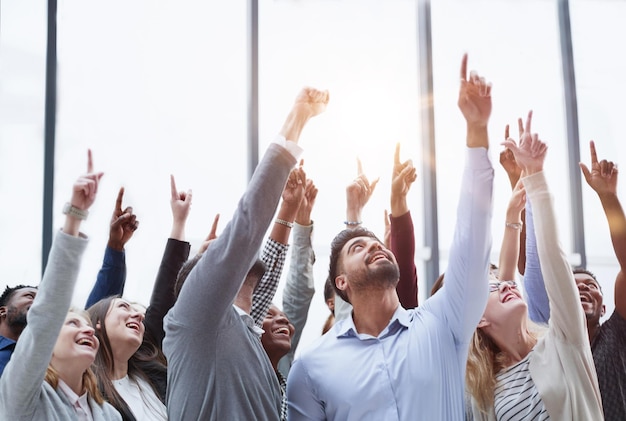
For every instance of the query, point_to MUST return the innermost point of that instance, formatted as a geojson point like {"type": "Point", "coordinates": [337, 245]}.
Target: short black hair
{"type": "Point", "coordinates": [588, 272]}
{"type": "Point", "coordinates": [329, 291]}
{"type": "Point", "coordinates": [335, 250]}
{"type": "Point", "coordinates": [9, 292]}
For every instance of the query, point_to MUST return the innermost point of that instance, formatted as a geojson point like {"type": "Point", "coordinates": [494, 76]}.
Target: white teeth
{"type": "Point", "coordinates": [282, 330]}
{"type": "Point", "coordinates": [85, 342]}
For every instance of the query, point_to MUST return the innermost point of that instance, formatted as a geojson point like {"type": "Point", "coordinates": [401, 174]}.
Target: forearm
{"type": "Point", "coordinates": [174, 256]}
{"type": "Point", "coordinates": [111, 277]}
{"type": "Point", "coordinates": [509, 251]}
{"type": "Point", "coordinates": [538, 304]}
{"type": "Point", "coordinates": [403, 247]}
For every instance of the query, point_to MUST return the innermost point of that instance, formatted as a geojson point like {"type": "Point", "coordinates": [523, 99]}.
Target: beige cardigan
{"type": "Point", "coordinates": [561, 365]}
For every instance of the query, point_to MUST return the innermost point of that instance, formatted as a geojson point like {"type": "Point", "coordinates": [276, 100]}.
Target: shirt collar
{"type": "Point", "coordinates": [347, 328]}
{"type": "Point", "coordinates": [75, 400]}
{"type": "Point", "coordinates": [6, 343]}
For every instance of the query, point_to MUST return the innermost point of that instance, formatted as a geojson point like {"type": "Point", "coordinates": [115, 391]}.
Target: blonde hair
{"type": "Point", "coordinates": [484, 362]}
{"type": "Point", "coordinates": [90, 382]}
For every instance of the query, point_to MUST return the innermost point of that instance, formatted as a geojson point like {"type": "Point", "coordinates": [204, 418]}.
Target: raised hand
{"type": "Point", "coordinates": [295, 187]}
{"type": "Point", "coordinates": [358, 193]}
{"type": "Point", "coordinates": [303, 217]}
{"type": "Point", "coordinates": [517, 201]}
{"type": "Point", "coordinates": [474, 97]}
{"type": "Point", "coordinates": [602, 177]}
{"type": "Point", "coordinates": [123, 224]}
{"type": "Point", "coordinates": [531, 151]}
{"type": "Point", "coordinates": [312, 101]}
{"type": "Point", "coordinates": [507, 159]}
{"type": "Point", "coordinates": [212, 235]}
{"type": "Point", "coordinates": [387, 236]}
{"type": "Point", "coordinates": [86, 187]}
{"type": "Point", "coordinates": [404, 174]}
{"type": "Point", "coordinates": [180, 202]}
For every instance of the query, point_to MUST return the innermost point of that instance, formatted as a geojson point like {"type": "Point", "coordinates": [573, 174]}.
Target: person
{"type": "Point", "coordinates": [112, 275]}
{"type": "Point", "coordinates": [48, 377]}
{"type": "Point", "coordinates": [130, 366]}
{"type": "Point", "coordinates": [217, 368]}
{"type": "Point", "coordinates": [399, 230]}
{"type": "Point", "coordinates": [513, 374]}
{"type": "Point", "coordinates": [385, 362]}
{"type": "Point", "coordinates": [608, 340]}
{"type": "Point", "coordinates": [329, 298]}
{"type": "Point", "coordinates": [14, 305]}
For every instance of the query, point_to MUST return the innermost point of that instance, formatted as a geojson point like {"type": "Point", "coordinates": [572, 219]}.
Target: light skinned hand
{"type": "Point", "coordinates": [474, 97]}
{"type": "Point", "coordinates": [602, 177]}
{"type": "Point", "coordinates": [211, 237]}
{"type": "Point", "coordinates": [85, 188]}
{"type": "Point", "coordinates": [531, 151]}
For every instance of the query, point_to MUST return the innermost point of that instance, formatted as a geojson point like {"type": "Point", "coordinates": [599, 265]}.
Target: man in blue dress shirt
{"type": "Point", "coordinates": [14, 304]}
{"type": "Point", "coordinates": [388, 363]}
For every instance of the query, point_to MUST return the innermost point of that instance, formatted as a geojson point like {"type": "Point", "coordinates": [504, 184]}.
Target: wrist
{"type": "Point", "coordinates": [115, 245]}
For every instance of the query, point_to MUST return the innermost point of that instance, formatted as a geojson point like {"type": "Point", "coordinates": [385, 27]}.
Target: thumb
{"type": "Point", "coordinates": [120, 220]}
{"type": "Point", "coordinates": [585, 171]}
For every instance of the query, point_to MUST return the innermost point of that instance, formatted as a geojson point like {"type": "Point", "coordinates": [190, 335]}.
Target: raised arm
{"type": "Point", "coordinates": [175, 254]}
{"type": "Point", "coordinates": [514, 172]}
{"type": "Point", "coordinates": [112, 276]}
{"type": "Point", "coordinates": [566, 316]}
{"type": "Point", "coordinates": [212, 285]}
{"type": "Point", "coordinates": [402, 235]}
{"type": "Point", "coordinates": [20, 384]}
{"type": "Point", "coordinates": [462, 299]}
{"type": "Point", "coordinates": [300, 286]}
{"type": "Point", "coordinates": [275, 251]}
{"type": "Point", "coordinates": [602, 178]}
{"type": "Point", "coordinates": [509, 252]}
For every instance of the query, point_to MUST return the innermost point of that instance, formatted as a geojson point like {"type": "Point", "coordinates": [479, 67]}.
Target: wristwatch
{"type": "Point", "coordinates": [68, 209]}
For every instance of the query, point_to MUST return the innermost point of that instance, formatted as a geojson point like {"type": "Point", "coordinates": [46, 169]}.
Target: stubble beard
{"type": "Point", "coordinates": [16, 320]}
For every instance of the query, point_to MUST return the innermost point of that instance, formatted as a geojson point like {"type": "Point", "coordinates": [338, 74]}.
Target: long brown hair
{"type": "Point", "coordinates": [146, 363]}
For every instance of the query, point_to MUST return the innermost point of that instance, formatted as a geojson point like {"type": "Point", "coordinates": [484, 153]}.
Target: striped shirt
{"type": "Point", "coordinates": [516, 396]}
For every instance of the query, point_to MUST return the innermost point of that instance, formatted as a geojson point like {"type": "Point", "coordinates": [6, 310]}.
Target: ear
{"type": "Point", "coordinates": [3, 311]}
{"type": "Point", "coordinates": [97, 326]}
{"type": "Point", "coordinates": [483, 323]}
{"type": "Point", "coordinates": [603, 311]}
{"type": "Point", "coordinates": [331, 304]}
{"type": "Point", "coordinates": [341, 282]}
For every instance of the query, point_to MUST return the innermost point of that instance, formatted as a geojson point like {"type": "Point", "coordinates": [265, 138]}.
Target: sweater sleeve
{"type": "Point", "coordinates": [273, 255]}
{"type": "Point", "coordinates": [20, 384]}
{"type": "Point", "coordinates": [537, 297]}
{"type": "Point", "coordinates": [214, 282]}
{"type": "Point", "coordinates": [299, 288]}
{"type": "Point", "coordinates": [403, 247]}
{"type": "Point", "coordinates": [567, 321]}
{"type": "Point", "coordinates": [111, 277]}
{"type": "Point", "coordinates": [175, 255]}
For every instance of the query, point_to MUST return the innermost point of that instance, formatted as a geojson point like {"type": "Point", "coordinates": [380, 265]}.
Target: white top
{"type": "Point", "coordinates": [143, 402]}
{"type": "Point", "coordinates": [79, 403]}
{"type": "Point", "coordinates": [516, 396]}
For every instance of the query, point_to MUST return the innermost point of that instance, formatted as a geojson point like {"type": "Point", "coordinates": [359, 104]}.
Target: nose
{"type": "Point", "coordinates": [374, 246]}
{"type": "Point", "coordinates": [281, 318]}
{"type": "Point", "coordinates": [137, 315]}
{"type": "Point", "coordinates": [505, 286]}
{"type": "Point", "coordinates": [582, 286]}
{"type": "Point", "coordinates": [89, 330]}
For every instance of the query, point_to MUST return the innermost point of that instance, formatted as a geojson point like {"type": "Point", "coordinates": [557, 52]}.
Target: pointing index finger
{"type": "Point", "coordinates": [118, 201]}
{"type": "Point", "coordinates": [396, 157]}
{"type": "Point", "coordinates": [464, 67]}
{"type": "Point", "coordinates": [89, 162]}
{"type": "Point", "coordinates": [594, 155]}
{"type": "Point", "coordinates": [359, 166]}
{"type": "Point", "coordinates": [529, 120]}
{"type": "Point", "coordinates": [173, 189]}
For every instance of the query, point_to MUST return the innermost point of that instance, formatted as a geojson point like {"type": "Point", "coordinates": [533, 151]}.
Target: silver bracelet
{"type": "Point", "coordinates": [352, 223]}
{"type": "Point", "coordinates": [514, 225]}
{"type": "Point", "coordinates": [70, 210]}
{"type": "Point", "coordinates": [283, 222]}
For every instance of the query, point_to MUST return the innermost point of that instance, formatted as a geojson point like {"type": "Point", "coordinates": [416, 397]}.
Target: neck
{"type": "Point", "coordinates": [373, 310]}
{"type": "Point", "coordinates": [244, 298]}
{"type": "Point", "coordinates": [120, 366]}
{"type": "Point", "coordinates": [515, 344]}
{"type": "Point", "coordinates": [9, 333]}
{"type": "Point", "coordinates": [72, 375]}
{"type": "Point", "coordinates": [592, 329]}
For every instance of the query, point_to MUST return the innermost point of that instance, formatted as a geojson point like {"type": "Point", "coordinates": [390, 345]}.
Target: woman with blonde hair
{"type": "Point", "coordinates": [513, 373]}
{"type": "Point", "coordinates": [48, 376]}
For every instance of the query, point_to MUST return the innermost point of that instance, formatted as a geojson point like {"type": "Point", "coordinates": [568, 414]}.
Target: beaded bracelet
{"type": "Point", "coordinates": [283, 222]}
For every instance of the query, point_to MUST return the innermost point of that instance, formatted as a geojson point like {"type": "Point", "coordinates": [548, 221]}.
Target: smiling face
{"type": "Point", "coordinates": [76, 344]}
{"type": "Point", "coordinates": [365, 263]}
{"type": "Point", "coordinates": [124, 325]}
{"type": "Point", "coordinates": [14, 313]}
{"type": "Point", "coordinates": [505, 301]}
{"type": "Point", "coordinates": [590, 297]}
{"type": "Point", "coordinates": [278, 333]}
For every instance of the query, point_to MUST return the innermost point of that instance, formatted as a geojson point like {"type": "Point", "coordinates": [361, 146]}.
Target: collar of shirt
{"type": "Point", "coordinates": [6, 343]}
{"type": "Point", "coordinates": [348, 329]}
{"type": "Point", "coordinates": [249, 321]}
{"type": "Point", "coordinates": [79, 403]}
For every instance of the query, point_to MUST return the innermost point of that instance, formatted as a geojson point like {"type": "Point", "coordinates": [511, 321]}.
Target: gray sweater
{"type": "Point", "coordinates": [217, 368]}
{"type": "Point", "coordinates": [24, 395]}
